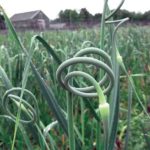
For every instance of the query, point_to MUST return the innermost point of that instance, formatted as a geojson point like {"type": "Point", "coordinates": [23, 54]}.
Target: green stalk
{"type": "Point", "coordinates": [102, 33]}
{"type": "Point", "coordinates": [98, 136]}
{"type": "Point", "coordinates": [103, 25]}
{"type": "Point", "coordinates": [82, 123]}
{"type": "Point", "coordinates": [128, 115]}
{"type": "Point", "coordinates": [24, 81]}
{"type": "Point", "coordinates": [103, 110]}
{"type": "Point", "coordinates": [103, 105]}
{"type": "Point", "coordinates": [70, 121]}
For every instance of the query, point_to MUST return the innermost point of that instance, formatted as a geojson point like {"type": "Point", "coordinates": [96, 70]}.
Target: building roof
{"type": "Point", "coordinates": [24, 16]}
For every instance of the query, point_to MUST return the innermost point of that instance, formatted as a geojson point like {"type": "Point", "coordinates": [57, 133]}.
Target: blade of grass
{"type": "Point", "coordinates": [49, 96]}
{"type": "Point", "coordinates": [49, 49]}
{"type": "Point", "coordinates": [82, 122]}
{"type": "Point", "coordinates": [128, 116]}
{"type": "Point", "coordinates": [8, 60]}
{"type": "Point", "coordinates": [7, 83]}
{"type": "Point", "coordinates": [24, 82]}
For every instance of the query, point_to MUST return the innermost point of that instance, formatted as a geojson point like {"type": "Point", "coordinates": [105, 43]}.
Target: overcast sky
{"type": "Point", "coordinates": [52, 7]}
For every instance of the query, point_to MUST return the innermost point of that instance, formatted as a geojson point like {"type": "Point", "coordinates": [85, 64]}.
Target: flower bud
{"type": "Point", "coordinates": [104, 111]}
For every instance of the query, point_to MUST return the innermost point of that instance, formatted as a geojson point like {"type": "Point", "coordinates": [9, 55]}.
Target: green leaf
{"type": "Point", "coordinates": [50, 98]}
{"type": "Point", "coordinates": [49, 49]}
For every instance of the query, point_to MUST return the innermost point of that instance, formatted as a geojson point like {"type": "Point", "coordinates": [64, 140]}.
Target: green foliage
{"type": "Point", "coordinates": [84, 15]}
{"type": "Point", "coordinates": [72, 16]}
{"type": "Point", "coordinates": [146, 16]}
{"type": "Point", "coordinates": [36, 67]}
{"type": "Point", "coordinates": [70, 44]}
{"type": "Point", "coordinates": [69, 16]}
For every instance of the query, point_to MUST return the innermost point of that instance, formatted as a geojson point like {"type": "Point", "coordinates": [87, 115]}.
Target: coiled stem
{"type": "Point", "coordinates": [30, 111]}
{"type": "Point", "coordinates": [78, 58]}
{"type": "Point", "coordinates": [102, 89]}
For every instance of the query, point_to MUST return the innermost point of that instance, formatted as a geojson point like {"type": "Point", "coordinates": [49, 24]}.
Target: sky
{"type": "Point", "coordinates": [52, 7]}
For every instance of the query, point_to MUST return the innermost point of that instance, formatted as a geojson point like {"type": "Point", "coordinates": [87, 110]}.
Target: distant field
{"type": "Point", "coordinates": [132, 41]}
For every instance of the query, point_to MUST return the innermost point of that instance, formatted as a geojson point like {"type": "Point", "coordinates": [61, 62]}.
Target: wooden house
{"type": "Point", "coordinates": [31, 20]}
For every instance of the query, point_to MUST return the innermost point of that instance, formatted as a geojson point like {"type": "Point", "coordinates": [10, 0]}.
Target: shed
{"type": "Point", "coordinates": [30, 20]}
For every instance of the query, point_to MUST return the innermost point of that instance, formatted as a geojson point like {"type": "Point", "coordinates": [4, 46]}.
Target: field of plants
{"type": "Point", "coordinates": [43, 106]}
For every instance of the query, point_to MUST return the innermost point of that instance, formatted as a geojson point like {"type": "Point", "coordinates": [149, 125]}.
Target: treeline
{"type": "Point", "coordinates": [72, 16]}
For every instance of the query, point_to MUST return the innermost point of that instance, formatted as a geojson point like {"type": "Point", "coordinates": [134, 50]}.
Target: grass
{"type": "Point", "coordinates": [30, 62]}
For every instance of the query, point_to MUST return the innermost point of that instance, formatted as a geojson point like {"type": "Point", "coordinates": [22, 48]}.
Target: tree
{"type": "Point", "coordinates": [137, 17]}
{"type": "Point", "coordinates": [85, 16]}
{"type": "Point", "coordinates": [74, 16]}
{"type": "Point", "coordinates": [64, 15]}
{"type": "Point", "coordinates": [122, 14]}
{"type": "Point", "coordinates": [146, 16]}
{"type": "Point", "coordinates": [132, 15]}
{"type": "Point", "coordinates": [69, 16]}
{"type": "Point", "coordinates": [97, 17]}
